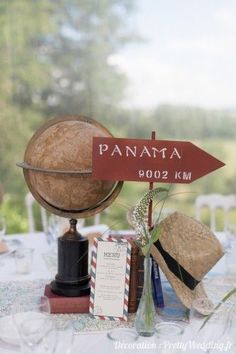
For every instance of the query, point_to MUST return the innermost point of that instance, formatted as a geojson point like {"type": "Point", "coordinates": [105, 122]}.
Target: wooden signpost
{"type": "Point", "coordinates": [150, 160]}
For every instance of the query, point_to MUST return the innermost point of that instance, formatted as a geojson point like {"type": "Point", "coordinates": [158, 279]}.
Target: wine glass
{"type": "Point", "coordinates": [26, 308]}
{"type": "Point", "coordinates": [126, 335]}
{"type": "Point", "coordinates": [168, 335]}
{"type": "Point", "coordinates": [53, 231]}
{"type": "Point", "coordinates": [37, 335]}
{"type": "Point", "coordinates": [43, 335]}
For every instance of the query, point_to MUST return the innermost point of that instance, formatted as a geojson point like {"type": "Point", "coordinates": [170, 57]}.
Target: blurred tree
{"type": "Point", "coordinates": [23, 75]}
{"type": "Point", "coordinates": [55, 60]}
{"type": "Point", "coordinates": [84, 80]}
{"type": "Point", "coordinates": [193, 123]}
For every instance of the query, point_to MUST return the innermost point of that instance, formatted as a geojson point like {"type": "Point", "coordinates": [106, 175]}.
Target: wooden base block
{"type": "Point", "coordinates": [63, 304]}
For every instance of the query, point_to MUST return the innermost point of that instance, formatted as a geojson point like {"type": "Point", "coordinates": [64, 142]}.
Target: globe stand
{"type": "Point", "coordinates": [58, 166]}
{"type": "Point", "coordinates": [72, 278]}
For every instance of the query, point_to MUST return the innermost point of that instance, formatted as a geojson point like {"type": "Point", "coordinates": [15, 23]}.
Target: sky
{"type": "Point", "coordinates": [188, 56]}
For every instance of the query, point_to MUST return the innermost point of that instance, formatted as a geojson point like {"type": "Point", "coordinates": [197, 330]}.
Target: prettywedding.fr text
{"type": "Point", "coordinates": [181, 346]}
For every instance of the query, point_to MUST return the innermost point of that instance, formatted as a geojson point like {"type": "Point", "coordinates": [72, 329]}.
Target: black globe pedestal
{"type": "Point", "coordinates": [72, 278]}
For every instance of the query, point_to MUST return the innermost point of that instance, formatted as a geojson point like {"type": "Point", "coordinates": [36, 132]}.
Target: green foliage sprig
{"type": "Point", "coordinates": [138, 218]}
{"type": "Point", "coordinates": [225, 298]}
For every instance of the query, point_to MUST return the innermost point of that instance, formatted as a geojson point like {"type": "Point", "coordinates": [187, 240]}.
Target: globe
{"type": "Point", "coordinates": [58, 168]}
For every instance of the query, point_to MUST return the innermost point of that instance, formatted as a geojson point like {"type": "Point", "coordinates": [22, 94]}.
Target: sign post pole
{"type": "Point", "coordinates": [153, 136]}
{"type": "Point", "coordinates": [159, 299]}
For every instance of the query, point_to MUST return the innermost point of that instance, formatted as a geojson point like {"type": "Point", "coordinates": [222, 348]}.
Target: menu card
{"type": "Point", "coordinates": [110, 272]}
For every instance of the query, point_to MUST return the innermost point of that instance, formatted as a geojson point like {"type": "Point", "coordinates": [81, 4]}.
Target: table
{"type": "Point", "coordinates": [92, 336]}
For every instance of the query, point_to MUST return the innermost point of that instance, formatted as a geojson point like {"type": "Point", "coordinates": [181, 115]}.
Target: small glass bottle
{"type": "Point", "coordinates": [146, 313]}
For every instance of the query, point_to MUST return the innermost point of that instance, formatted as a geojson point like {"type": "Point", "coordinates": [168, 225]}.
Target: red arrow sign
{"type": "Point", "coordinates": [150, 160]}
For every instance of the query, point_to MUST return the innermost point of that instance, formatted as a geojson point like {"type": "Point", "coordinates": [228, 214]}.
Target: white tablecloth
{"type": "Point", "coordinates": [91, 342]}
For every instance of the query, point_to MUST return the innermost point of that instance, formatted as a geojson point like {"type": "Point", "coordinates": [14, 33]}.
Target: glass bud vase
{"type": "Point", "coordinates": [145, 317]}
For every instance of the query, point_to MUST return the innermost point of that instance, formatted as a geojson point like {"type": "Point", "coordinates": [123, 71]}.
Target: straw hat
{"type": "Point", "coordinates": [185, 252]}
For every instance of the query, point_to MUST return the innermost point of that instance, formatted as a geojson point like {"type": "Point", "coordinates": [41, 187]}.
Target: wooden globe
{"type": "Point", "coordinates": [58, 167]}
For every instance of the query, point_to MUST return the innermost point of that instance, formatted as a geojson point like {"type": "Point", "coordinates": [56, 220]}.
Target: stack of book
{"type": "Point", "coordinates": [136, 277]}
{"type": "Point", "coordinates": [137, 274]}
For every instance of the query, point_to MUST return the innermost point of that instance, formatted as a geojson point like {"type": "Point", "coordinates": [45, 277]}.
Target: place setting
{"type": "Point", "coordinates": [28, 327]}
{"type": "Point", "coordinates": [8, 247]}
{"type": "Point", "coordinates": [140, 288]}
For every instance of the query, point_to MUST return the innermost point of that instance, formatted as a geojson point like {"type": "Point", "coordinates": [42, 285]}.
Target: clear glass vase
{"type": "Point", "coordinates": [146, 313]}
